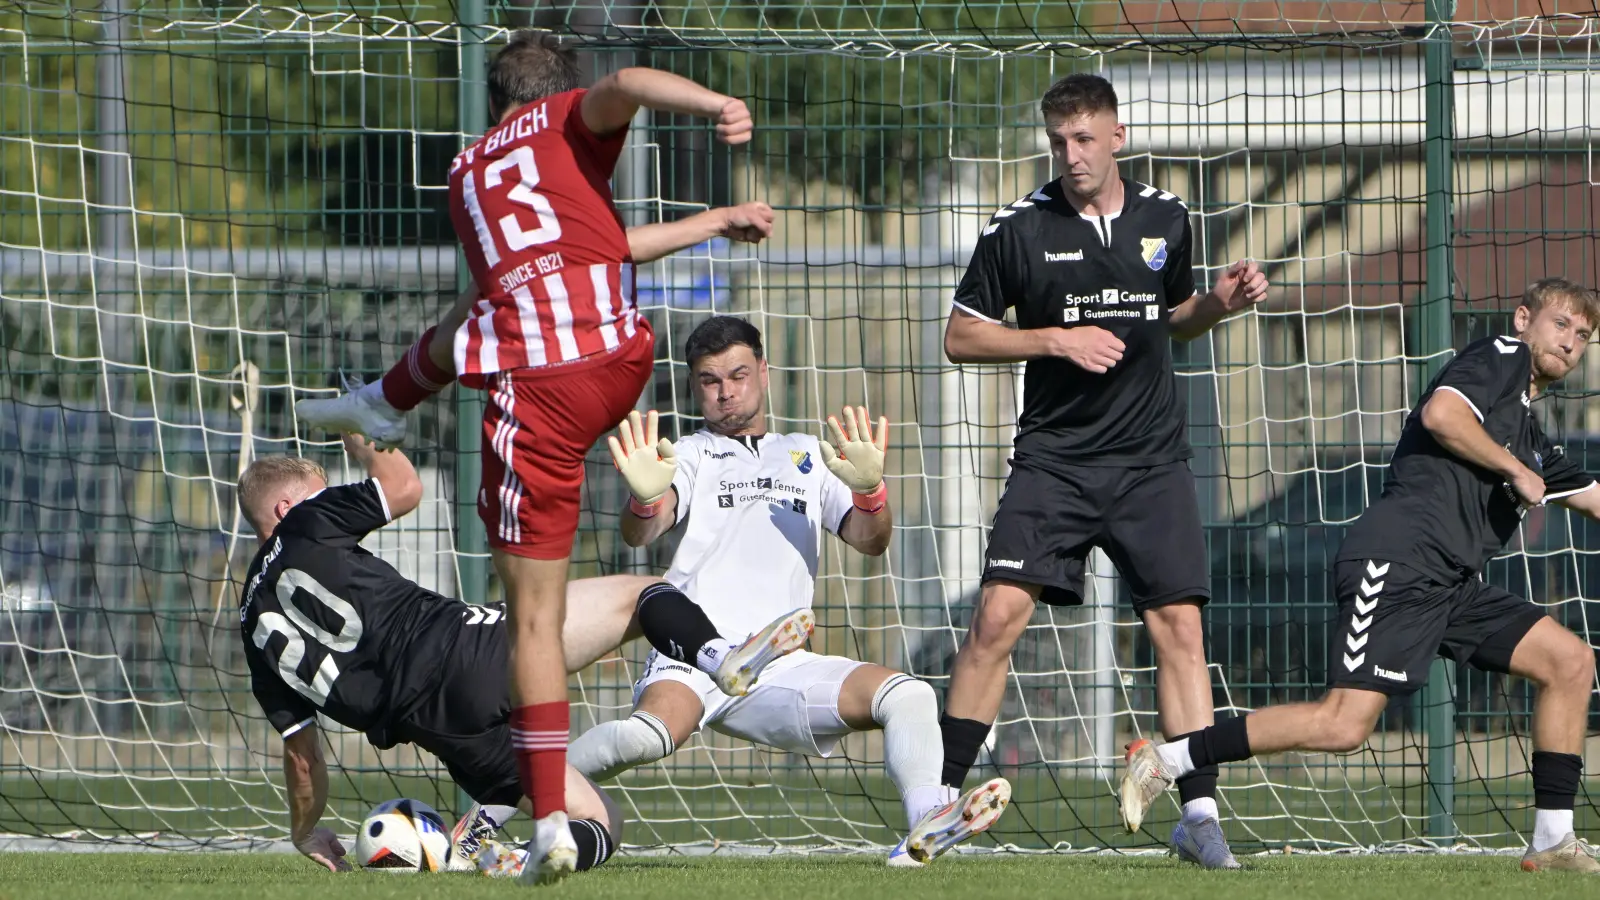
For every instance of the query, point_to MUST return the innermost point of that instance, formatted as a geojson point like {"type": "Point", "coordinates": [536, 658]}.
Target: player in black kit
{"type": "Point", "coordinates": [1470, 462]}
{"type": "Point", "coordinates": [1100, 272]}
{"type": "Point", "coordinates": [329, 628]}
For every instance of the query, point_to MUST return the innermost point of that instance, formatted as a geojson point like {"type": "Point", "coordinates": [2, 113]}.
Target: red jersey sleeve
{"type": "Point", "coordinates": [600, 153]}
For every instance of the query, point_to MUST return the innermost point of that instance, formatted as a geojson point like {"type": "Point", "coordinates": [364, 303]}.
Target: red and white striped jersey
{"type": "Point", "coordinates": [532, 206]}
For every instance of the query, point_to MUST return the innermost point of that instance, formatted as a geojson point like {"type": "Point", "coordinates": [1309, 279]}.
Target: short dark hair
{"type": "Point", "coordinates": [1079, 95]}
{"type": "Point", "coordinates": [717, 334]}
{"type": "Point", "coordinates": [531, 66]}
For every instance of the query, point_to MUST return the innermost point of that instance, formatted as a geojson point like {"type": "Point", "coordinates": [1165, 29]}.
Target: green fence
{"type": "Point", "coordinates": [209, 210]}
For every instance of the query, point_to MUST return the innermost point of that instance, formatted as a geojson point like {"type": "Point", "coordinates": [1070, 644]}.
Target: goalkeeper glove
{"type": "Point", "coordinates": [859, 460]}
{"type": "Point", "coordinates": [646, 460]}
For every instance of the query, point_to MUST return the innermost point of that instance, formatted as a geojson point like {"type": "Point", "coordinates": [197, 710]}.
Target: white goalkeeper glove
{"type": "Point", "coordinates": [646, 460]}
{"type": "Point", "coordinates": [859, 460]}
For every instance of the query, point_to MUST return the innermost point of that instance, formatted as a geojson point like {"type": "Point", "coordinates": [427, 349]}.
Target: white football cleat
{"type": "Point", "coordinates": [737, 674]}
{"type": "Point", "coordinates": [496, 860]}
{"type": "Point", "coordinates": [1202, 843]}
{"type": "Point", "coordinates": [900, 857]}
{"type": "Point", "coordinates": [469, 835]}
{"type": "Point", "coordinates": [363, 411]}
{"type": "Point", "coordinates": [1144, 778]}
{"type": "Point", "coordinates": [552, 853]}
{"type": "Point", "coordinates": [973, 813]}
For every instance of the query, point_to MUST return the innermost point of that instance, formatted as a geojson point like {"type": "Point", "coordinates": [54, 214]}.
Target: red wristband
{"type": "Point", "coordinates": [645, 510]}
{"type": "Point", "coordinates": [872, 503]}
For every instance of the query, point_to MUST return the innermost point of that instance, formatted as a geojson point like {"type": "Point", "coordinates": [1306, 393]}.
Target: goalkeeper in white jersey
{"type": "Point", "coordinates": [753, 506]}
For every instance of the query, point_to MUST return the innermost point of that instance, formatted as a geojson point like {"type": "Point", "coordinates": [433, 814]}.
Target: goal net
{"type": "Point", "coordinates": [209, 209]}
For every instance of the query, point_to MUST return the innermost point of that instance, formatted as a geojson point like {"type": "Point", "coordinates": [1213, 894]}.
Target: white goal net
{"type": "Point", "coordinates": [209, 209]}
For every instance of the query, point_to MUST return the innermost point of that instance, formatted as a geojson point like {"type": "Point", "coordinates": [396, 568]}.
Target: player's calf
{"type": "Point", "coordinates": [611, 748]}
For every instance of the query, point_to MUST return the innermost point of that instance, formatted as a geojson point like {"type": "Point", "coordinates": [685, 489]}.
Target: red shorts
{"type": "Point", "coordinates": [537, 428]}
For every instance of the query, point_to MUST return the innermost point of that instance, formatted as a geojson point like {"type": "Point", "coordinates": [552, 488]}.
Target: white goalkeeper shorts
{"type": "Point", "coordinates": [794, 707]}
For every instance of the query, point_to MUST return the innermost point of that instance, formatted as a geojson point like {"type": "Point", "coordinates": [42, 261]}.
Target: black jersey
{"type": "Point", "coordinates": [330, 628]}
{"type": "Point", "coordinates": [1442, 515]}
{"type": "Point", "coordinates": [1123, 272]}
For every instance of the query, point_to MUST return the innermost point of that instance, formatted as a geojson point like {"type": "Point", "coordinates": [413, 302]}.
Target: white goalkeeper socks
{"type": "Point", "coordinates": [913, 748]}
{"type": "Point", "coordinates": [1175, 756]}
{"type": "Point", "coordinates": [1201, 808]}
{"type": "Point", "coordinates": [712, 653]}
{"type": "Point", "coordinates": [1550, 827]}
{"type": "Point", "coordinates": [611, 748]}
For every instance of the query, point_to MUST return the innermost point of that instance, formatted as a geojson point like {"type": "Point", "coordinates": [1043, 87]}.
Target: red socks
{"type": "Point", "coordinates": [416, 377]}
{"type": "Point", "coordinates": [539, 737]}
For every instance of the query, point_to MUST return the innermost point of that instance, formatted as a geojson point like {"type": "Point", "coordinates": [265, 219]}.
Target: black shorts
{"type": "Point", "coordinates": [468, 723]}
{"type": "Point", "coordinates": [1146, 519]}
{"type": "Point", "coordinates": [1394, 620]}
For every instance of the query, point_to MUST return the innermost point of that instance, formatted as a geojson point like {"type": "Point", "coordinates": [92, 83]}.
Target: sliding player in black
{"type": "Point", "coordinates": [329, 628]}
{"type": "Point", "coordinates": [1471, 460]}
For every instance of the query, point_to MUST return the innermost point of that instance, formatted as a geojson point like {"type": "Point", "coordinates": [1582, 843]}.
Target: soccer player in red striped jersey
{"type": "Point", "coordinates": [555, 338]}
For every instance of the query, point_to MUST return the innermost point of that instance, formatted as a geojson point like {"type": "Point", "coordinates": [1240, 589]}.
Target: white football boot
{"type": "Point", "coordinates": [1144, 778]}
{"type": "Point", "coordinates": [737, 674]}
{"type": "Point", "coordinates": [1202, 843]}
{"type": "Point", "coordinates": [362, 411]}
{"type": "Point", "coordinates": [496, 860]}
{"type": "Point", "coordinates": [552, 853]}
{"type": "Point", "coordinates": [900, 857]}
{"type": "Point", "coordinates": [467, 838]}
{"type": "Point", "coordinates": [972, 813]}
{"type": "Point", "coordinates": [1568, 856]}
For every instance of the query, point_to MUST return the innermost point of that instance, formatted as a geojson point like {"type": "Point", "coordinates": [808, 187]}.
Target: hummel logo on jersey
{"type": "Point", "coordinates": [719, 455]}
{"type": "Point", "coordinates": [1381, 672]}
{"type": "Point", "coordinates": [799, 505]}
{"type": "Point", "coordinates": [1005, 563]}
{"type": "Point", "coordinates": [725, 501]}
{"type": "Point", "coordinates": [1068, 256]}
{"type": "Point", "coordinates": [1524, 398]}
{"type": "Point", "coordinates": [1154, 251]}
{"type": "Point", "coordinates": [801, 460]}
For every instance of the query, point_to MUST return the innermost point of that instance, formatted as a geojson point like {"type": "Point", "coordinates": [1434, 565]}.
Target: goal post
{"type": "Point", "coordinates": [258, 206]}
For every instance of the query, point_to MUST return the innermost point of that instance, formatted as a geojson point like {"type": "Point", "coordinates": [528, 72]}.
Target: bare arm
{"type": "Point", "coordinates": [869, 532]}
{"type": "Point", "coordinates": [969, 339]}
{"type": "Point", "coordinates": [305, 778]}
{"type": "Point", "coordinates": [402, 489]}
{"type": "Point", "coordinates": [1451, 421]}
{"type": "Point", "coordinates": [1242, 286]}
{"type": "Point", "coordinates": [637, 530]}
{"type": "Point", "coordinates": [611, 104]}
{"type": "Point", "coordinates": [747, 222]}
{"type": "Point", "coordinates": [1585, 502]}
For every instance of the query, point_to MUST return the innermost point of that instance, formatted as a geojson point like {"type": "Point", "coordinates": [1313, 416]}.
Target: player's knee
{"type": "Point", "coordinates": [900, 696]}
{"type": "Point", "coordinates": [999, 622]}
{"type": "Point", "coordinates": [1572, 666]}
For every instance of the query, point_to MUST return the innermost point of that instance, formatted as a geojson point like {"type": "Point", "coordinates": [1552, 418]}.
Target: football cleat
{"type": "Point", "coordinates": [1202, 843]}
{"type": "Point", "coordinates": [468, 836]}
{"type": "Point", "coordinates": [737, 674]}
{"type": "Point", "coordinates": [900, 857]}
{"type": "Point", "coordinates": [496, 860]}
{"type": "Point", "coordinates": [362, 411]}
{"type": "Point", "coordinates": [972, 813]}
{"type": "Point", "coordinates": [1144, 778]}
{"type": "Point", "coordinates": [1568, 856]}
{"type": "Point", "coordinates": [552, 852]}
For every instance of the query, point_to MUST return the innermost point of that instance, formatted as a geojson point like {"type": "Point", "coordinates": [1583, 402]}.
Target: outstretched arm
{"type": "Point", "coordinates": [747, 222]}
{"type": "Point", "coordinates": [305, 777]}
{"type": "Point", "coordinates": [402, 489]}
{"type": "Point", "coordinates": [611, 104]}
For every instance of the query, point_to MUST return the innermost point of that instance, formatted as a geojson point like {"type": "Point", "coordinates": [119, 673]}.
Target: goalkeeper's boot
{"type": "Point", "coordinates": [1144, 778]}
{"type": "Point", "coordinates": [972, 813]}
{"type": "Point", "coordinates": [363, 411]}
{"type": "Point", "coordinates": [1567, 856]}
{"type": "Point", "coordinates": [552, 852]}
{"type": "Point", "coordinates": [467, 838]}
{"type": "Point", "coordinates": [496, 860]}
{"type": "Point", "coordinates": [738, 673]}
{"type": "Point", "coordinates": [1201, 842]}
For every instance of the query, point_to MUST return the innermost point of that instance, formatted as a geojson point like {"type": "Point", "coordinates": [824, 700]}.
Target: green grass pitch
{"type": "Point", "coordinates": [201, 876]}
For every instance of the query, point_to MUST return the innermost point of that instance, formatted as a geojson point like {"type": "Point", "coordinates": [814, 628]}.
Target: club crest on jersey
{"type": "Point", "coordinates": [801, 460]}
{"type": "Point", "coordinates": [1154, 251]}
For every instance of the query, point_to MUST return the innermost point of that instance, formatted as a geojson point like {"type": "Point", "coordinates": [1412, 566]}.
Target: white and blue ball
{"type": "Point", "coordinates": [403, 836]}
